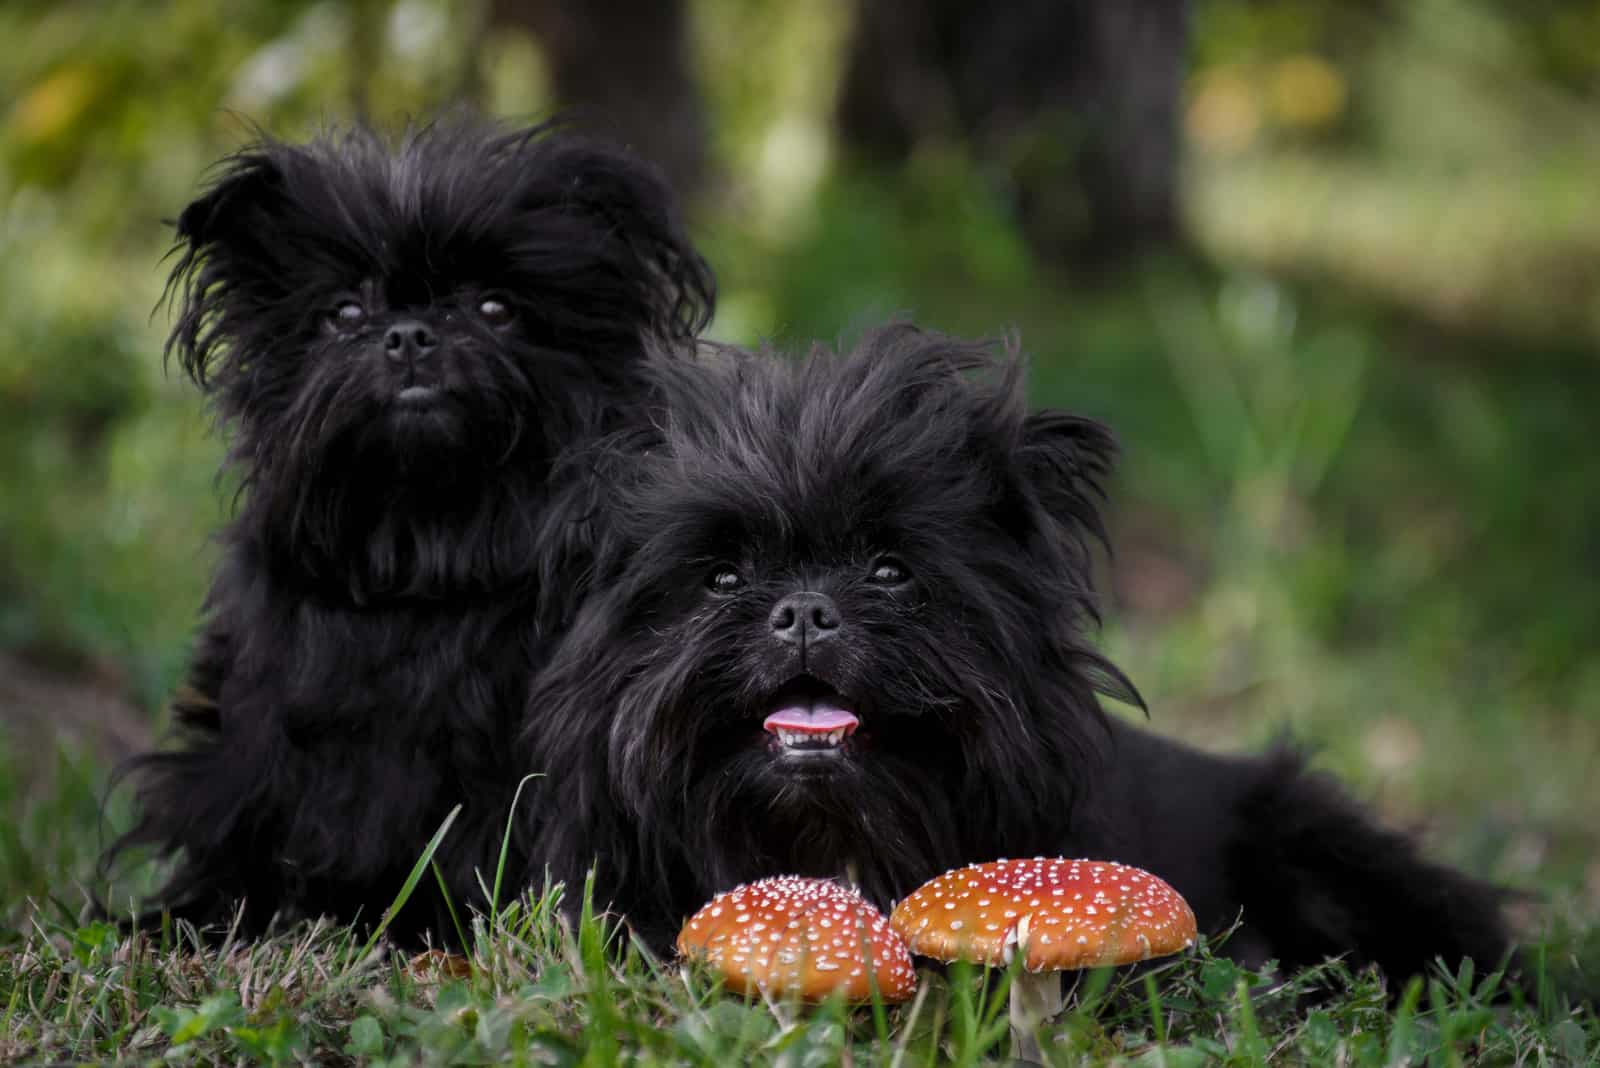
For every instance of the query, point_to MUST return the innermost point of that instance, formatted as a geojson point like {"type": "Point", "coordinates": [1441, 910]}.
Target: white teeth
{"type": "Point", "coordinates": [801, 738]}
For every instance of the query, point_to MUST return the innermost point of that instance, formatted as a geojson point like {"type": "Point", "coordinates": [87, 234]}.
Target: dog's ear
{"type": "Point", "coordinates": [249, 183]}
{"type": "Point", "coordinates": [226, 223]}
{"type": "Point", "coordinates": [632, 201]}
{"type": "Point", "coordinates": [1064, 460]}
{"type": "Point", "coordinates": [1063, 463]}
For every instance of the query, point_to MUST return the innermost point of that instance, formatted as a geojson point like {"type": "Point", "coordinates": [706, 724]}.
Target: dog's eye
{"type": "Point", "coordinates": [887, 571]}
{"type": "Point", "coordinates": [724, 579]}
{"type": "Point", "coordinates": [347, 313]}
{"type": "Point", "coordinates": [495, 312]}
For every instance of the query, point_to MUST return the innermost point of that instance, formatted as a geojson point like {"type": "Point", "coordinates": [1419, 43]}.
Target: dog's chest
{"type": "Point", "coordinates": [405, 676]}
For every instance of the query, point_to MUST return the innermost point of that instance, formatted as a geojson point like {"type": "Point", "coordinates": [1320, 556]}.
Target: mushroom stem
{"type": "Point", "coordinates": [1035, 998]}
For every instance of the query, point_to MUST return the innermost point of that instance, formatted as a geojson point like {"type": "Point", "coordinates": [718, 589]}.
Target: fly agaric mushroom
{"type": "Point", "coordinates": [803, 937]}
{"type": "Point", "coordinates": [1061, 914]}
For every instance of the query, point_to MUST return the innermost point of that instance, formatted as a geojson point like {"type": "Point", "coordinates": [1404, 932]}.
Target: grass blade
{"type": "Point", "coordinates": [410, 884]}
{"type": "Point", "coordinates": [505, 842]}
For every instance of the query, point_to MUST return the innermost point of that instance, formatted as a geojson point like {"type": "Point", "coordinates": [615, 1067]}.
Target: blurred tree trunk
{"type": "Point", "coordinates": [622, 68]}
{"type": "Point", "coordinates": [1073, 104]}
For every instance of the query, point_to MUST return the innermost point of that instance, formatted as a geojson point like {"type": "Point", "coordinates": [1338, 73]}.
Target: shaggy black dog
{"type": "Point", "coordinates": [848, 638]}
{"type": "Point", "coordinates": [397, 339]}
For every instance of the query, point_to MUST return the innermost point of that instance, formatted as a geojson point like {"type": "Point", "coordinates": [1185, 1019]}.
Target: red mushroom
{"type": "Point", "coordinates": [806, 938]}
{"type": "Point", "coordinates": [1060, 914]}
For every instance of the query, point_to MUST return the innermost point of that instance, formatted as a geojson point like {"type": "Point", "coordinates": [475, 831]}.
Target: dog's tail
{"type": "Point", "coordinates": [1321, 877]}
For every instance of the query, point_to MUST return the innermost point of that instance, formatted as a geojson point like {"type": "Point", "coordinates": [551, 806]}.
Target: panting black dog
{"type": "Point", "coordinates": [847, 637]}
{"type": "Point", "coordinates": [397, 337]}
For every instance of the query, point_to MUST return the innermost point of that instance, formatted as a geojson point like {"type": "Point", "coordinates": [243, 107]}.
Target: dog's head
{"type": "Point", "coordinates": [848, 633]}
{"type": "Point", "coordinates": [391, 328]}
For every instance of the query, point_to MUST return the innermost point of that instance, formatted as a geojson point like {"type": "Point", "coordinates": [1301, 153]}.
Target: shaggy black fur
{"type": "Point", "coordinates": [397, 339]}
{"type": "Point", "coordinates": [940, 538]}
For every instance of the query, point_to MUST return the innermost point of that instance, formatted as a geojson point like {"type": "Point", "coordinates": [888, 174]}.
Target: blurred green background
{"type": "Point", "coordinates": [1331, 268]}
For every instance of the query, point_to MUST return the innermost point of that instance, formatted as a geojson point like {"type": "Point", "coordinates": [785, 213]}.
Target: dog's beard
{"type": "Point", "coordinates": [880, 819]}
{"type": "Point", "coordinates": [942, 766]}
{"type": "Point", "coordinates": [424, 488]}
{"type": "Point", "coordinates": [346, 422]}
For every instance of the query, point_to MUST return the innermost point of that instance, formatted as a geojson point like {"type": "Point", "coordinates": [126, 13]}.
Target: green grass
{"type": "Point", "coordinates": [540, 992]}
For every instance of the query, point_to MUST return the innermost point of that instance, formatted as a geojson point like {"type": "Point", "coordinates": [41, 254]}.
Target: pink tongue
{"type": "Point", "coordinates": [816, 719]}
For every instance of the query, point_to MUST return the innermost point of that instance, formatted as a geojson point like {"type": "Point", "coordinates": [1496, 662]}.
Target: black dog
{"type": "Point", "coordinates": [397, 340]}
{"type": "Point", "coordinates": [847, 637]}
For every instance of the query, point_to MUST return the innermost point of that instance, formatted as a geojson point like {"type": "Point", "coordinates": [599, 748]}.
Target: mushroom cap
{"type": "Point", "coordinates": [803, 937]}
{"type": "Point", "coordinates": [1068, 913]}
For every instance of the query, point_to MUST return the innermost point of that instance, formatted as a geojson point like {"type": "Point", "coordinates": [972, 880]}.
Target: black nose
{"type": "Point", "coordinates": [409, 340]}
{"type": "Point", "coordinates": [804, 618]}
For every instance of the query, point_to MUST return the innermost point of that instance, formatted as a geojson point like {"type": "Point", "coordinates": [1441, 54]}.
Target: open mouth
{"type": "Point", "coordinates": [810, 716]}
